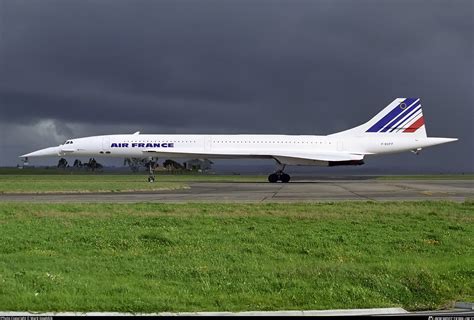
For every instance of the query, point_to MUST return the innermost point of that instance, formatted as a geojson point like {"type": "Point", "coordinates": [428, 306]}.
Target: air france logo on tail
{"type": "Point", "coordinates": [406, 117]}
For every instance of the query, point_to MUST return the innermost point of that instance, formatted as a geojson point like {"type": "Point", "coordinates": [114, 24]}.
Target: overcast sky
{"type": "Point", "coordinates": [79, 68]}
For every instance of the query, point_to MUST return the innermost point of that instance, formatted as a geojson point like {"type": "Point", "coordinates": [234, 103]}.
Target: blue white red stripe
{"type": "Point", "coordinates": [406, 112]}
{"type": "Point", "coordinates": [415, 125]}
{"type": "Point", "coordinates": [410, 108]}
{"type": "Point", "coordinates": [406, 123]}
{"type": "Point", "coordinates": [406, 118]}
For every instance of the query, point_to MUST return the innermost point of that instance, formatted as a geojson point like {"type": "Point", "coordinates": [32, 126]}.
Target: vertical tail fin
{"type": "Point", "coordinates": [403, 116]}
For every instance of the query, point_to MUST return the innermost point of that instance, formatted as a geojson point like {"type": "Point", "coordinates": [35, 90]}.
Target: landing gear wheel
{"type": "Point", "coordinates": [279, 175]}
{"type": "Point", "coordinates": [273, 178]}
{"type": "Point", "coordinates": [151, 179]}
{"type": "Point", "coordinates": [285, 178]}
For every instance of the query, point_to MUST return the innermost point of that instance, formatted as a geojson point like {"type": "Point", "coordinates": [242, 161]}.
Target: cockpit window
{"type": "Point", "coordinates": [68, 142]}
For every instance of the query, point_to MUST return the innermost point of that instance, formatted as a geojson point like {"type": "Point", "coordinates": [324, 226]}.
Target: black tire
{"type": "Point", "coordinates": [285, 178]}
{"type": "Point", "coordinates": [273, 178]}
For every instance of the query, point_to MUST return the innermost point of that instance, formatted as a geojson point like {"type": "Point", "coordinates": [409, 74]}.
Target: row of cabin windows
{"type": "Point", "coordinates": [166, 141]}
{"type": "Point", "coordinates": [179, 141]}
{"type": "Point", "coordinates": [221, 141]}
{"type": "Point", "coordinates": [293, 142]}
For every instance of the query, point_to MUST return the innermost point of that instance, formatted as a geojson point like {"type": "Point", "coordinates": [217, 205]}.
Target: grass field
{"type": "Point", "coordinates": [53, 180]}
{"type": "Point", "coordinates": [82, 183]}
{"type": "Point", "coordinates": [233, 257]}
{"type": "Point", "coordinates": [174, 174]}
{"type": "Point", "coordinates": [106, 183]}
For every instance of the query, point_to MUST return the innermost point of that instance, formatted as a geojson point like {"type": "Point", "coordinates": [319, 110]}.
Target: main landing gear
{"type": "Point", "coordinates": [279, 175]}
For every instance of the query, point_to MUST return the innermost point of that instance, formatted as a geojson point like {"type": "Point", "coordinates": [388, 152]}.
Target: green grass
{"type": "Point", "coordinates": [82, 183]}
{"type": "Point", "coordinates": [59, 181]}
{"type": "Point", "coordinates": [233, 257]}
{"type": "Point", "coordinates": [165, 174]}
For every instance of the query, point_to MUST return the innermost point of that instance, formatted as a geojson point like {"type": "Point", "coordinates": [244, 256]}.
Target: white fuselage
{"type": "Point", "coordinates": [288, 149]}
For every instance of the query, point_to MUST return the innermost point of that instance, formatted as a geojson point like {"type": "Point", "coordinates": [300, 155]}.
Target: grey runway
{"type": "Point", "coordinates": [297, 191]}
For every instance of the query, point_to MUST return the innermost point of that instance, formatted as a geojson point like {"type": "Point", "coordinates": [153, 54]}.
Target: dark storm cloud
{"type": "Point", "coordinates": [235, 66]}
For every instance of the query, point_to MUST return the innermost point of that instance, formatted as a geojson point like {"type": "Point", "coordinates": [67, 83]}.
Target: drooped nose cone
{"type": "Point", "coordinates": [48, 152]}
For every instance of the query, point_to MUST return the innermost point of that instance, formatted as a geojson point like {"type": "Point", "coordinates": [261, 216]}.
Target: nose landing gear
{"type": "Point", "coordinates": [279, 175]}
{"type": "Point", "coordinates": [151, 170]}
{"type": "Point", "coordinates": [151, 178]}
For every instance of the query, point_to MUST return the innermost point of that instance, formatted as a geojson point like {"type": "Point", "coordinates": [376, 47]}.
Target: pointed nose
{"type": "Point", "coordinates": [48, 152]}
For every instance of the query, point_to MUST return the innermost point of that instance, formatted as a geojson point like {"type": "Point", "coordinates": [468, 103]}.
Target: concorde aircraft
{"type": "Point", "coordinates": [398, 127]}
